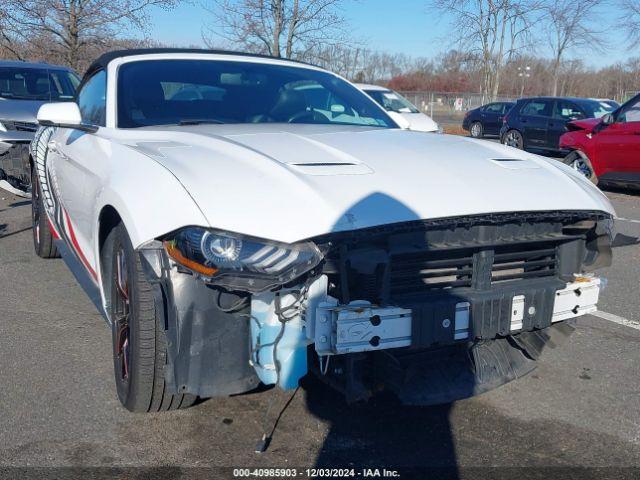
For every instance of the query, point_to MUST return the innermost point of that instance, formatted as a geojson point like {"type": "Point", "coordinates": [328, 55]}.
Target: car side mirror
{"type": "Point", "coordinates": [62, 114]}
{"type": "Point", "coordinates": [400, 120]}
{"type": "Point", "coordinates": [608, 119]}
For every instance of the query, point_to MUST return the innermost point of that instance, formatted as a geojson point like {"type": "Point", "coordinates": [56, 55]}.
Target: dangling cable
{"type": "Point", "coordinates": [265, 441]}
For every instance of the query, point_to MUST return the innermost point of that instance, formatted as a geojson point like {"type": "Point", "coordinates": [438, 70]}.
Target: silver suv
{"type": "Point", "coordinates": [24, 87]}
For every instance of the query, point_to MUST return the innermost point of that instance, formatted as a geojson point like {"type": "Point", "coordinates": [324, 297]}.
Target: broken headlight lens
{"type": "Point", "coordinates": [238, 262]}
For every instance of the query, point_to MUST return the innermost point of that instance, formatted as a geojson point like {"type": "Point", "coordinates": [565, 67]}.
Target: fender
{"type": "Point", "coordinates": [585, 144]}
{"type": "Point", "coordinates": [169, 212]}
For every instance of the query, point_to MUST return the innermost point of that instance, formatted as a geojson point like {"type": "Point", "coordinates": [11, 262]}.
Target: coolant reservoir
{"type": "Point", "coordinates": [291, 349]}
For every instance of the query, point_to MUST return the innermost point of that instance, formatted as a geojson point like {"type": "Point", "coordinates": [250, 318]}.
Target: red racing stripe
{"type": "Point", "coordinates": [54, 232]}
{"type": "Point", "coordinates": [74, 241]}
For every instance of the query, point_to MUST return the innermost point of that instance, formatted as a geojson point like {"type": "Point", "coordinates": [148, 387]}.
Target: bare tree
{"type": "Point", "coordinates": [9, 43]}
{"type": "Point", "coordinates": [74, 27]}
{"type": "Point", "coordinates": [630, 19]}
{"type": "Point", "coordinates": [571, 25]}
{"type": "Point", "coordinates": [288, 28]}
{"type": "Point", "coordinates": [491, 29]}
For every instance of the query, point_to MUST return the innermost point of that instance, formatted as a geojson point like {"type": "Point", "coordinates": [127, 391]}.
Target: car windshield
{"type": "Point", "coordinates": [37, 84]}
{"type": "Point", "coordinates": [392, 101]}
{"type": "Point", "coordinates": [597, 108]}
{"type": "Point", "coordinates": [174, 92]}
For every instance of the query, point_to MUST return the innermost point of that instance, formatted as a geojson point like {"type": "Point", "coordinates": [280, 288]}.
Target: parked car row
{"type": "Point", "coordinates": [538, 123]}
{"type": "Point", "coordinates": [597, 137]}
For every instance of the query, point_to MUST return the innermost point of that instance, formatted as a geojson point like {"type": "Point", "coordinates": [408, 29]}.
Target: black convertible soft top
{"type": "Point", "coordinates": [102, 61]}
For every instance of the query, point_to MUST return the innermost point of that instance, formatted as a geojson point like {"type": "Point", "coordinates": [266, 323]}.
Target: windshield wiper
{"type": "Point", "coordinates": [22, 97]}
{"type": "Point", "coordinates": [200, 122]}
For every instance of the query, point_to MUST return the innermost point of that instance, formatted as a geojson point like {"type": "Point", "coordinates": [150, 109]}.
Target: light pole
{"type": "Point", "coordinates": [524, 73]}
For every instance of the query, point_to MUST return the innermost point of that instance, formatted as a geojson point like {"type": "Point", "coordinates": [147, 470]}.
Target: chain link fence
{"type": "Point", "coordinates": [449, 108]}
{"type": "Point", "coordinates": [630, 94]}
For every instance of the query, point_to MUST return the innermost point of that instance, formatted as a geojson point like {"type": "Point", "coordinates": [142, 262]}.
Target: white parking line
{"type": "Point", "coordinates": [616, 319]}
{"type": "Point", "coordinates": [628, 220]}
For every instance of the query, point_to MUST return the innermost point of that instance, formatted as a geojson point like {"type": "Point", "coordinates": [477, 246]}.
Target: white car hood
{"type": "Point", "coordinates": [420, 122]}
{"type": "Point", "coordinates": [291, 182]}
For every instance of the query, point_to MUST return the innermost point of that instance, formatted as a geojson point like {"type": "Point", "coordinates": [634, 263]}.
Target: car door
{"type": "Point", "coordinates": [618, 144]}
{"type": "Point", "coordinates": [564, 111]}
{"type": "Point", "coordinates": [72, 159]}
{"type": "Point", "coordinates": [533, 119]}
{"type": "Point", "coordinates": [491, 116]}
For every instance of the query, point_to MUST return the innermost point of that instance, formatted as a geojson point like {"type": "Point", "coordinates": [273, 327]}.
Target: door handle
{"type": "Point", "coordinates": [636, 133]}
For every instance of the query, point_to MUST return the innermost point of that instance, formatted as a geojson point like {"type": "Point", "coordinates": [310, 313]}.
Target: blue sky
{"type": "Point", "coordinates": [405, 26]}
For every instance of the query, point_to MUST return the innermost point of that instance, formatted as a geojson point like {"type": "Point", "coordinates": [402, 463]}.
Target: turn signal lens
{"type": "Point", "coordinates": [176, 254]}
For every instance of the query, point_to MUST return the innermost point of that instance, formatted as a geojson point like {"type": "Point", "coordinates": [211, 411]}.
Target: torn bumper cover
{"type": "Point", "coordinates": [432, 311]}
{"type": "Point", "coordinates": [207, 330]}
{"type": "Point", "coordinates": [14, 159]}
{"type": "Point", "coordinates": [15, 138]}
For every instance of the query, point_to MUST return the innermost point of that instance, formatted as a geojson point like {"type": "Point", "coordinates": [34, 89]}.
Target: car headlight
{"type": "Point", "coordinates": [238, 262]}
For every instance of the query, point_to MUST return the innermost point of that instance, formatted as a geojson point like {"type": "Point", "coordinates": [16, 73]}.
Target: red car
{"type": "Point", "coordinates": [607, 149]}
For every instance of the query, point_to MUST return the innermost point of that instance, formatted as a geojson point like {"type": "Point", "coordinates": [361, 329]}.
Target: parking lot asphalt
{"type": "Point", "coordinates": [581, 407]}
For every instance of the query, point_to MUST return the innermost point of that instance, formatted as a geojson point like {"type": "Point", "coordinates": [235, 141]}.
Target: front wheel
{"type": "Point", "coordinates": [581, 164]}
{"type": "Point", "coordinates": [513, 138]}
{"type": "Point", "coordinates": [139, 343]}
{"type": "Point", "coordinates": [476, 130]}
{"type": "Point", "coordinates": [42, 236]}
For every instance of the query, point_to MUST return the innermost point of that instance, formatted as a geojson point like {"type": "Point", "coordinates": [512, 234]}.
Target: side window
{"type": "Point", "coordinates": [506, 107]}
{"type": "Point", "coordinates": [92, 99]}
{"type": "Point", "coordinates": [540, 108]}
{"type": "Point", "coordinates": [493, 108]}
{"type": "Point", "coordinates": [567, 110]}
{"type": "Point", "coordinates": [630, 113]}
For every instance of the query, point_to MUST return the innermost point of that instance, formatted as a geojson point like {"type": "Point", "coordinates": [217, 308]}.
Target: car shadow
{"type": "Point", "coordinates": [21, 203]}
{"type": "Point", "coordinates": [382, 432]}
{"type": "Point", "coordinates": [616, 189]}
{"type": "Point", "coordinates": [622, 240]}
{"type": "Point", "coordinates": [15, 232]}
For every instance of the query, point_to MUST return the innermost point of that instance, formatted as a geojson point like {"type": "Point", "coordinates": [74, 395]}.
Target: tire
{"type": "Point", "coordinates": [513, 138]}
{"type": "Point", "coordinates": [476, 130]}
{"type": "Point", "coordinates": [581, 164]}
{"type": "Point", "coordinates": [138, 335]}
{"type": "Point", "coordinates": [42, 235]}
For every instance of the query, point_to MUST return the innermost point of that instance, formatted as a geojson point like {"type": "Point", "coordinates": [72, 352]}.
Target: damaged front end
{"type": "Point", "coordinates": [209, 285]}
{"type": "Point", "coordinates": [15, 170]}
{"type": "Point", "coordinates": [432, 311]}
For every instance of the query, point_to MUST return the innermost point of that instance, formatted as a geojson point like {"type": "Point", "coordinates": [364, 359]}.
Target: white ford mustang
{"type": "Point", "coordinates": [241, 219]}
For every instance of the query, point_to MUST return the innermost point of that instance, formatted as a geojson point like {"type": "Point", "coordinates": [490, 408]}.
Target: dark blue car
{"type": "Point", "coordinates": [538, 123]}
{"type": "Point", "coordinates": [487, 119]}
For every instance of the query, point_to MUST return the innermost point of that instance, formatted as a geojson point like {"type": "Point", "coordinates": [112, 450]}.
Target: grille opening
{"type": "Point", "coordinates": [25, 126]}
{"type": "Point", "coordinates": [20, 126]}
{"type": "Point", "coordinates": [426, 271]}
{"type": "Point", "coordinates": [517, 262]}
